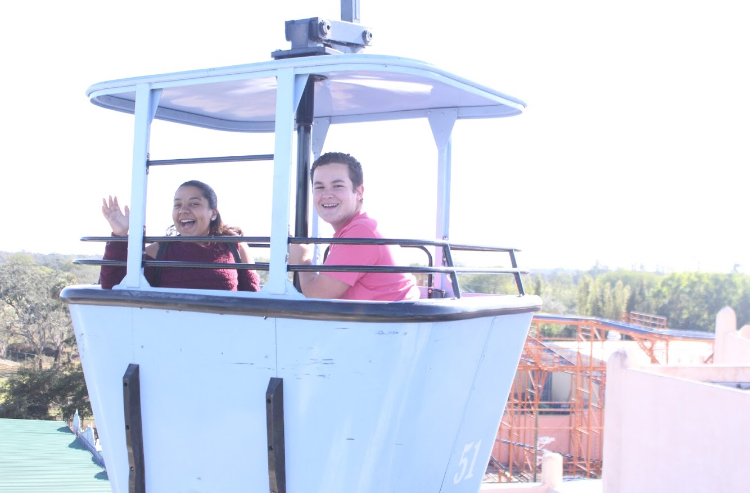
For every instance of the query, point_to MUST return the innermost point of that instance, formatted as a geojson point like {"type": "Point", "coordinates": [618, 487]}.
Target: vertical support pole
{"type": "Point", "coordinates": [320, 132]}
{"type": "Point", "coordinates": [350, 11]}
{"type": "Point", "coordinates": [275, 429]}
{"type": "Point", "coordinates": [454, 277]}
{"type": "Point", "coordinates": [146, 102]}
{"type": "Point", "coordinates": [288, 92]}
{"type": "Point", "coordinates": [441, 123]}
{"type": "Point", "coordinates": [305, 114]}
{"type": "Point", "coordinates": [517, 276]}
{"type": "Point", "coordinates": [131, 396]}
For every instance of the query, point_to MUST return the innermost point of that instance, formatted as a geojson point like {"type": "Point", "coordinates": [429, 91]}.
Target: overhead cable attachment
{"type": "Point", "coordinates": [318, 36]}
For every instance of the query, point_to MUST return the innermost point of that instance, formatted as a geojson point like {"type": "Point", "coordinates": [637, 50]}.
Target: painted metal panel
{"type": "Point", "coordinates": [105, 345]}
{"type": "Point", "coordinates": [202, 393]}
{"type": "Point", "coordinates": [373, 407]}
{"type": "Point", "coordinates": [203, 384]}
{"type": "Point", "coordinates": [489, 393]}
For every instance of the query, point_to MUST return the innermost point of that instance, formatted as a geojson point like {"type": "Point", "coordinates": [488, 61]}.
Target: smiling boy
{"type": "Point", "coordinates": [338, 189]}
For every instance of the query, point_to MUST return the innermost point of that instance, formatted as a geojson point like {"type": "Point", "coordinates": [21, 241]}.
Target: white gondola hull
{"type": "Point", "coordinates": [368, 407]}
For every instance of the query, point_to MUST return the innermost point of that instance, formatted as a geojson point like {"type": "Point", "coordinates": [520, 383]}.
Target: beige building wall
{"type": "Point", "coordinates": [675, 428]}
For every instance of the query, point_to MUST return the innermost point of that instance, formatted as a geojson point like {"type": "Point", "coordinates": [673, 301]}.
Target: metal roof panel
{"type": "Point", "coordinates": [43, 456]}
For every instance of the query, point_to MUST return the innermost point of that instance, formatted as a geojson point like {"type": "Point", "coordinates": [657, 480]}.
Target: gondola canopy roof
{"type": "Point", "coordinates": [350, 88]}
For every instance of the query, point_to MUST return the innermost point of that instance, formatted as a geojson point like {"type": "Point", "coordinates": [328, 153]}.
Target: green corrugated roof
{"type": "Point", "coordinates": [46, 457]}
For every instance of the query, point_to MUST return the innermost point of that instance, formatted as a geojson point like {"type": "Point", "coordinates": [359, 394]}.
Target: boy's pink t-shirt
{"type": "Point", "coordinates": [369, 285]}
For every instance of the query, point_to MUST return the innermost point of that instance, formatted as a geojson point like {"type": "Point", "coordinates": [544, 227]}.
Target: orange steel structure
{"type": "Point", "coordinates": [569, 350]}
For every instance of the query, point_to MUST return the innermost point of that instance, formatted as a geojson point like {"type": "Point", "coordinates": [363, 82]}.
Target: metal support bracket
{"type": "Point", "coordinates": [318, 36]}
{"type": "Point", "coordinates": [131, 396]}
{"type": "Point", "coordinates": [275, 428]}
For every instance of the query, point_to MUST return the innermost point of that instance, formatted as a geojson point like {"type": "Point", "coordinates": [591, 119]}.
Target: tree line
{"type": "Point", "coordinates": [32, 315]}
{"type": "Point", "coordinates": [688, 300]}
{"type": "Point", "coordinates": [33, 319]}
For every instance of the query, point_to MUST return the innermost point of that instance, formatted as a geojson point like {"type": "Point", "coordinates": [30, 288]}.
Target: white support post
{"type": "Point", "coordinates": [441, 123]}
{"type": "Point", "coordinates": [320, 132]}
{"type": "Point", "coordinates": [146, 102]}
{"type": "Point", "coordinates": [552, 469]}
{"type": "Point", "coordinates": [289, 89]}
{"type": "Point", "coordinates": [617, 365]}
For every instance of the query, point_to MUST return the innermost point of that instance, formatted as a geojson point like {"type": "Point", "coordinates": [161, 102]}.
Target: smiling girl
{"type": "Point", "coordinates": [195, 213]}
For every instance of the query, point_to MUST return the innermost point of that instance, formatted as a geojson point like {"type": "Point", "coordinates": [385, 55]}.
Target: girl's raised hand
{"type": "Point", "coordinates": [117, 219]}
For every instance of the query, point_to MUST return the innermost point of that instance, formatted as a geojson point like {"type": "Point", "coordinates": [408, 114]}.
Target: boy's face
{"type": "Point", "coordinates": [335, 198]}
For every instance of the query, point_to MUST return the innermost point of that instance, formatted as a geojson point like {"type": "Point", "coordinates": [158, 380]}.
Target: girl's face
{"type": "Point", "coordinates": [191, 213]}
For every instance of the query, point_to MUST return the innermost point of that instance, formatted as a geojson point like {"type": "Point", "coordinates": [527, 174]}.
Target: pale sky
{"type": "Point", "coordinates": [633, 150]}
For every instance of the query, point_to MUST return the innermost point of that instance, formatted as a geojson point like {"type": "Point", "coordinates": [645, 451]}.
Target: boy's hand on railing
{"type": "Point", "coordinates": [300, 253]}
{"type": "Point", "coordinates": [117, 219]}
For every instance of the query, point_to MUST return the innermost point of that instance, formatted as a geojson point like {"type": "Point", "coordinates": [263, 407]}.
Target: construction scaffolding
{"type": "Point", "coordinates": [556, 401]}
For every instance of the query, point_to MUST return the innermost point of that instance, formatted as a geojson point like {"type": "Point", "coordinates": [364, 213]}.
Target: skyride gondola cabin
{"type": "Point", "coordinates": [305, 395]}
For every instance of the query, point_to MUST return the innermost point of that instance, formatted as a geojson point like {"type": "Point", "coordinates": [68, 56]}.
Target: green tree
{"type": "Point", "coordinates": [558, 291]}
{"type": "Point", "coordinates": [691, 300]}
{"type": "Point", "coordinates": [742, 303]}
{"type": "Point", "coordinates": [32, 393]}
{"type": "Point", "coordinates": [638, 301]}
{"type": "Point", "coordinates": [7, 322]}
{"type": "Point", "coordinates": [487, 283]}
{"type": "Point", "coordinates": [32, 308]}
{"type": "Point", "coordinates": [597, 298]}
{"type": "Point", "coordinates": [538, 288]}
{"type": "Point", "coordinates": [585, 296]}
{"type": "Point", "coordinates": [72, 393]}
{"type": "Point", "coordinates": [620, 296]}
{"type": "Point", "coordinates": [603, 303]}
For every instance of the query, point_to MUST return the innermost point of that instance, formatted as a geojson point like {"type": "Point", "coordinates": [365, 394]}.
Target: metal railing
{"type": "Point", "coordinates": [205, 160]}
{"type": "Point", "coordinates": [447, 248]}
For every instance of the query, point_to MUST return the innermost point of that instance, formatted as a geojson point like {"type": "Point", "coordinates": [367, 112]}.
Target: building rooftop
{"type": "Point", "coordinates": [45, 456]}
